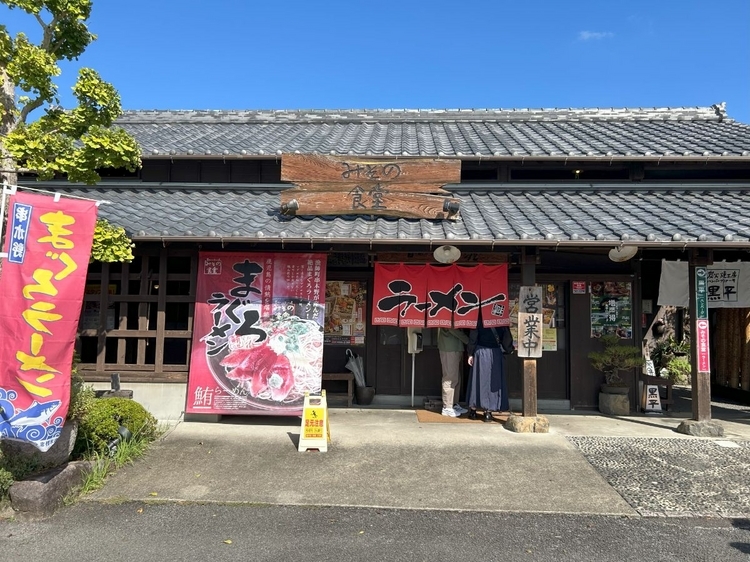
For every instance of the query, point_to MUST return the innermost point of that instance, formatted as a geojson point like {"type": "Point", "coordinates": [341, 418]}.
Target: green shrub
{"type": "Point", "coordinates": [99, 425]}
{"type": "Point", "coordinates": [679, 370]}
{"type": "Point", "coordinates": [6, 481]}
{"type": "Point", "coordinates": [82, 397]}
{"type": "Point", "coordinates": [667, 349]}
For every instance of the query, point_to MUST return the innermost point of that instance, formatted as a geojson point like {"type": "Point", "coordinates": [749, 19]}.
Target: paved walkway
{"type": "Point", "coordinates": [385, 458]}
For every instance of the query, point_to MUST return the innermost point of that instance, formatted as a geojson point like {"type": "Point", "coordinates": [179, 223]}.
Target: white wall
{"type": "Point", "coordinates": [165, 401]}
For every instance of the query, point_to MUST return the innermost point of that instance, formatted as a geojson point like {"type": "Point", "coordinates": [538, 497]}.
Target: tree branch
{"type": "Point", "coordinates": [28, 108]}
{"type": "Point", "coordinates": [18, 171]}
{"type": "Point", "coordinates": [48, 29]}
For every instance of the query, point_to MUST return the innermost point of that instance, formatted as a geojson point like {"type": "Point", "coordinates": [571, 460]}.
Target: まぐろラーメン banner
{"type": "Point", "coordinates": [454, 295]}
{"type": "Point", "coordinates": [258, 333]}
{"type": "Point", "coordinates": [48, 244]}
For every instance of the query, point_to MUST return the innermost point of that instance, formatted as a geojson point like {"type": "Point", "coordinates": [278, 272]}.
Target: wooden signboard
{"type": "Point", "coordinates": [335, 185]}
{"type": "Point", "coordinates": [530, 300]}
{"type": "Point", "coordinates": [529, 335]}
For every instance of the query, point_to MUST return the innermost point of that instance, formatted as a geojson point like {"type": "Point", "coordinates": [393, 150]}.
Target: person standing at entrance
{"type": "Point", "coordinates": [488, 387]}
{"type": "Point", "coordinates": [451, 347]}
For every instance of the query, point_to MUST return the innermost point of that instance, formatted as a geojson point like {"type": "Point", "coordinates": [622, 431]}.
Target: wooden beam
{"type": "Point", "coordinates": [323, 187]}
{"type": "Point", "coordinates": [529, 405]}
{"type": "Point", "coordinates": [101, 349]}
{"type": "Point", "coordinates": [342, 169]}
{"type": "Point", "coordinates": [143, 309]}
{"type": "Point", "coordinates": [404, 205]}
{"type": "Point", "coordinates": [135, 376]}
{"type": "Point", "coordinates": [123, 322]}
{"type": "Point", "coordinates": [528, 279]}
{"type": "Point", "coordinates": [467, 258]}
{"type": "Point", "coordinates": [161, 311]}
{"type": "Point", "coordinates": [700, 379]}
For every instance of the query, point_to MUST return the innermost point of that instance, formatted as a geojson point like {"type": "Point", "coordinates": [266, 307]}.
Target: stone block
{"type": "Point", "coordinates": [531, 424]}
{"type": "Point", "coordinates": [114, 394]}
{"type": "Point", "coordinates": [710, 428]}
{"type": "Point", "coordinates": [614, 404]}
{"type": "Point", "coordinates": [41, 495]}
{"type": "Point", "coordinates": [57, 455]}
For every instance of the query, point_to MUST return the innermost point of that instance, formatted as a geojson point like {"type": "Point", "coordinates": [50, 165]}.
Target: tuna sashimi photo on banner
{"type": "Point", "coordinates": [48, 244]}
{"type": "Point", "coordinates": [258, 334]}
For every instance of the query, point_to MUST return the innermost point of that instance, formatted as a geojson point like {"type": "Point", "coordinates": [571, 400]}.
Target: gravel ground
{"type": "Point", "coordinates": [674, 477]}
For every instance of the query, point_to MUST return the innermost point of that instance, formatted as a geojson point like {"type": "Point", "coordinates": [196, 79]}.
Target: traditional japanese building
{"type": "Point", "coordinates": [586, 203]}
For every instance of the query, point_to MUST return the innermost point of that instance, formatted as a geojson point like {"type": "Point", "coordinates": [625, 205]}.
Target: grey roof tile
{"type": "Point", "coordinates": [488, 133]}
{"type": "Point", "coordinates": [565, 214]}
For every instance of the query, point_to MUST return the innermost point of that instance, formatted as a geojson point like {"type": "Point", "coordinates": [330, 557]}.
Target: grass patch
{"type": "Point", "coordinates": [104, 464]}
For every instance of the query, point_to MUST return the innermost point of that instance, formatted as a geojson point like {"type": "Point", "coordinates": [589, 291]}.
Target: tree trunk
{"type": "Point", "coordinates": [7, 122]}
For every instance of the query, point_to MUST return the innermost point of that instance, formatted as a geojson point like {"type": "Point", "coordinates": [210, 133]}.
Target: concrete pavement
{"type": "Point", "coordinates": [387, 458]}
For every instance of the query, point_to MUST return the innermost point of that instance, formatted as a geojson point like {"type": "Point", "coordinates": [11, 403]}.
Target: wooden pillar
{"type": "Point", "coordinates": [528, 278]}
{"type": "Point", "coordinates": [700, 374]}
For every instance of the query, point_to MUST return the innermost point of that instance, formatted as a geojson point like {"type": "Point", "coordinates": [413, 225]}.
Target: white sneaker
{"type": "Point", "coordinates": [450, 412]}
{"type": "Point", "coordinates": [459, 410]}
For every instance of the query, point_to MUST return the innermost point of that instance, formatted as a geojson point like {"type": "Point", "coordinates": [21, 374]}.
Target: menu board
{"type": "Point", "coordinates": [345, 318]}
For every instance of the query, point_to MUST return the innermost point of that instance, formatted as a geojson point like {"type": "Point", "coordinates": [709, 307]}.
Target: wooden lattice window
{"type": "Point", "coordinates": [141, 326]}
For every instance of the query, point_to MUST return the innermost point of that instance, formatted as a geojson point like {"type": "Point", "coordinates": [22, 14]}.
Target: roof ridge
{"type": "Point", "coordinates": [715, 112]}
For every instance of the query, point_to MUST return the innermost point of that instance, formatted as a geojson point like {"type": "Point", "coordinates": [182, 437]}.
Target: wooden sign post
{"type": "Point", "coordinates": [315, 432]}
{"type": "Point", "coordinates": [529, 342]}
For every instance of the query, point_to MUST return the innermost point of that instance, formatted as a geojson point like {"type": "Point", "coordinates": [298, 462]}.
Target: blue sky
{"type": "Point", "coordinates": [221, 54]}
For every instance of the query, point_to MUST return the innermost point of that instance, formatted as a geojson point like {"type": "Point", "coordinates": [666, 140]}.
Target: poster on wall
{"type": "Point", "coordinates": [611, 309]}
{"type": "Point", "coordinates": [258, 334]}
{"type": "Point", "coordinates": [345, 319]}
{"type": "Point", "coordinates": [549, 309]}
{"type": "Point", "coordinates": [48, 246]}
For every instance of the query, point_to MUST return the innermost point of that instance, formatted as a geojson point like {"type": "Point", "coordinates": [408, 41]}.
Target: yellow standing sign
{"type": "Point", "coordinates": [315, 432]}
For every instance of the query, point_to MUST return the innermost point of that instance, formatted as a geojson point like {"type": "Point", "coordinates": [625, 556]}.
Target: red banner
{"type": "Point", "coordinates": [455, 295]}
{"type": "Point", "coordinates": [48, 243]}
{"type": "Point", "coordinates": [386, 297]}
{"type": "Point", "coordinates": [258, 334]}
{"type": "Point", "coordinates": [440, 297]}
{"type": "Point", "coordinates": [413, 301]}
{"type": "Point", "coordinates": [468, 283]}
{"type": "Point", "coordinates": [494, 296]}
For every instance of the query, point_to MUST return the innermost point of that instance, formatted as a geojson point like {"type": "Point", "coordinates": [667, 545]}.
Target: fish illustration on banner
{"type": "Point", "coordinates": [258, 335]}
{"type": "Point", "coordinates": [48, 244]}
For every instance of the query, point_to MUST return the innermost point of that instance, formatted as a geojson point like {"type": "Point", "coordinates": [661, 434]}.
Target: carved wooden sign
{"type": "Point", "coordinates": [335, 185]}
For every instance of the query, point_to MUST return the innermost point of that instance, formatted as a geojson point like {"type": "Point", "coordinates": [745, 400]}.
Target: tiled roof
{"type": "Point", "coordinates": [674, 215]}
{"type": "Point", "coordinates": [672, 133]}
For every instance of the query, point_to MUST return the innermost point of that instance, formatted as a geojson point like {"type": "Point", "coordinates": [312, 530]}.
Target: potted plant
{"type": "Point", "coordinates": [613, 360]}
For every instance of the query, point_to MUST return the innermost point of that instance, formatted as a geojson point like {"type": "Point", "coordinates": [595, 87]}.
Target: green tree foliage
{"type": "Point", "coordinates": [75, 142]}
{"type": "Point", "coordinates": [111, 243]}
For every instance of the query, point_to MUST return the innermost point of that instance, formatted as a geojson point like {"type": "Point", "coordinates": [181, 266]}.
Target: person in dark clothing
{"type": "Point", "coordinates": [488, 386]}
